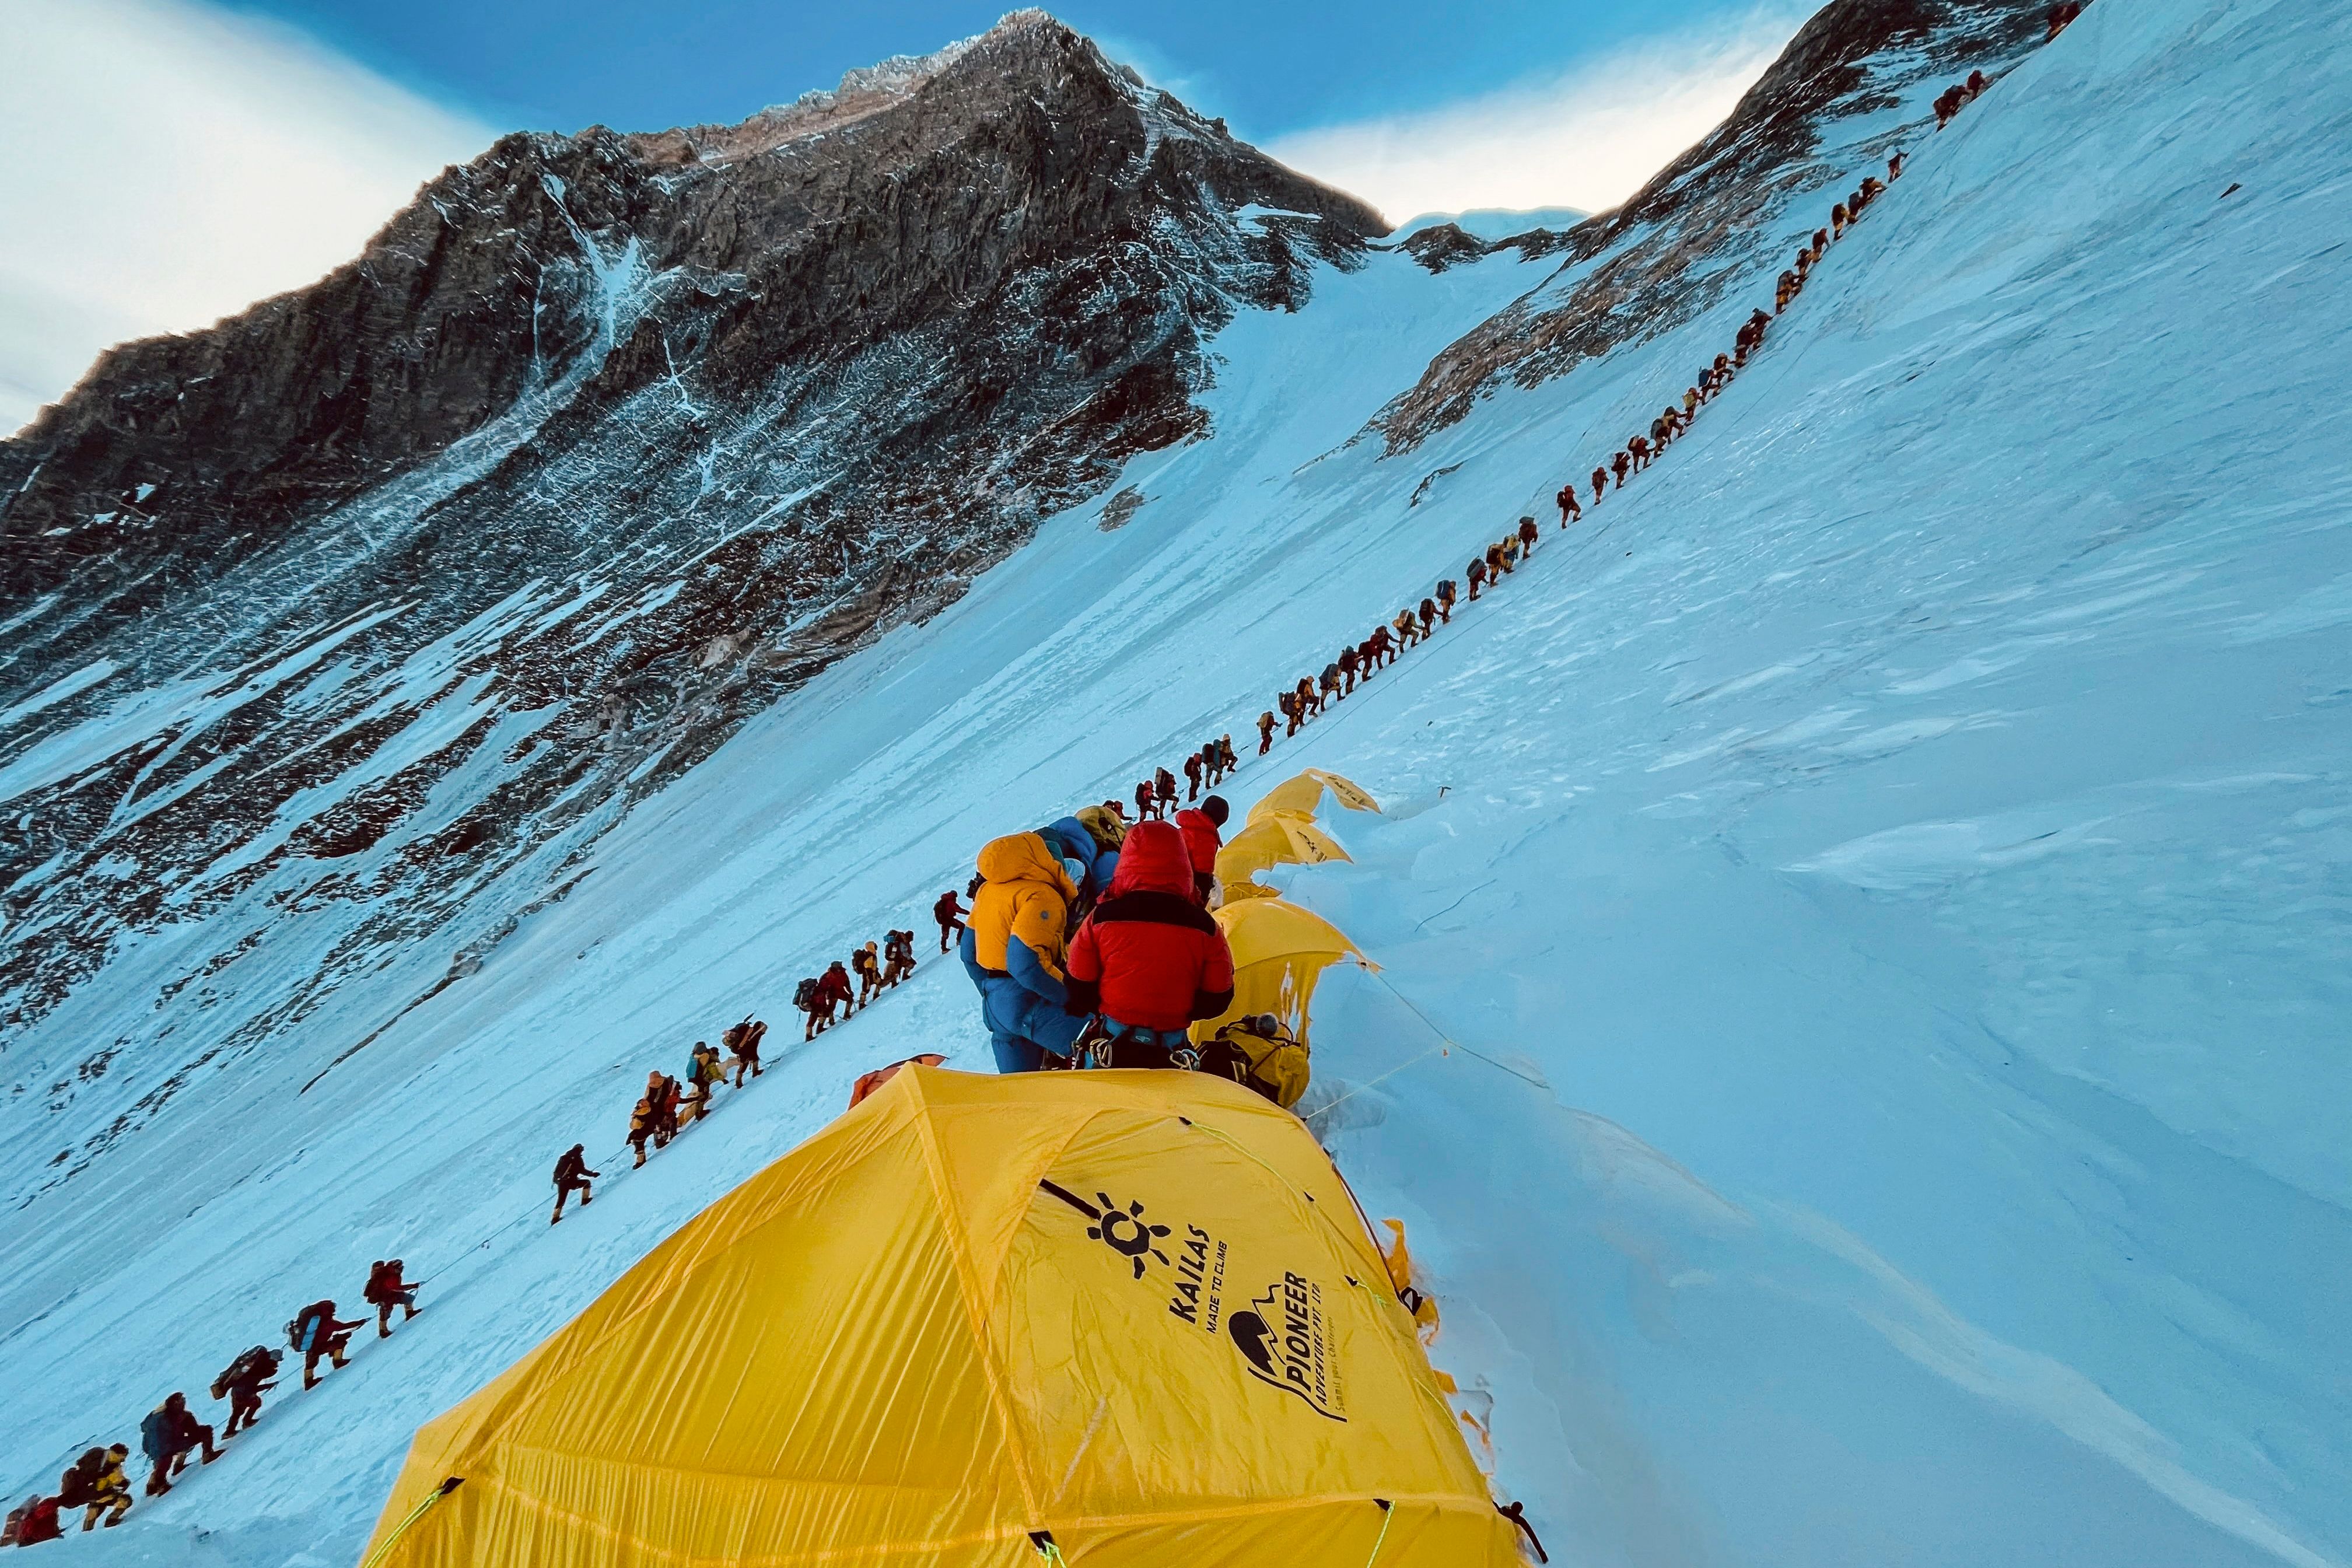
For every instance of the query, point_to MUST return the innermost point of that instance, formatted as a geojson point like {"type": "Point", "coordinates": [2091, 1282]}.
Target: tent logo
{"type": "Point", "coordinates": [1285, 1339]}
{"type": "Point", "coordinates": [1124, 1230]}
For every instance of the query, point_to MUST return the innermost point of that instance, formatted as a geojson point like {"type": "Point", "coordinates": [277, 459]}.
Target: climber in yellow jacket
{"type": "Point", "coordinates": [1014, 948]}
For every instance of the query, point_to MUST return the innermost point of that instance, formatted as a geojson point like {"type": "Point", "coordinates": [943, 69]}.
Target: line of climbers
{"type": "Point", "coordinates": [98, 1483]}
{"type": "Point", "coordinates": [1090, 941]}
{"type": "Point", "coordinates": [1155, 797]}
{"type": "Point", "coordinates": [1311, 695]}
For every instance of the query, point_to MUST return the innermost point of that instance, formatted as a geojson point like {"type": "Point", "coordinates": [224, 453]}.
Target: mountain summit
{"type": "Point", "coordinates": [624, 433]}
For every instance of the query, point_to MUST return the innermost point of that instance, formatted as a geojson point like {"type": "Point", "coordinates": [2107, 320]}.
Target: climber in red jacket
{"type": "Point", "coordinates": [1151, 959]}
{"type": "Point", "coordinates": [1200, 826]}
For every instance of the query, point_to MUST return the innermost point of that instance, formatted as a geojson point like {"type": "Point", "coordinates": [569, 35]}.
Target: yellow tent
{"type": "Point", "coordinates": [1275, 840]}
{"type": "Point", "coordinates": [1303, 795]}
{"type": "Point", "coordinates": [1280, 951]}
{"type": "Point", "coordinates": [1125, 1319]}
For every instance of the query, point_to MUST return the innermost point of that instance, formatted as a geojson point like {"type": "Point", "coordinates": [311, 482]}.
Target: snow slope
{"type": "Point", "coordinates": [1886, 874]}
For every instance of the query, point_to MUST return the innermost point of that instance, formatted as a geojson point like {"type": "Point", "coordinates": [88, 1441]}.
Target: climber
{"type": "Point", "coordinates": [1570, 510]}
{"type": "Point", "coordinates": [1428, 616]}
{"type": "Point", "coordinates": [1347, 669]}
{"type": "Point", "coordinates": [1895, 168]}
{"type": "Point", "coordinates": [1408, 630]}
{"type": "Point", "coordinates": [950, 914]}
{"type": "Point", "coordinates": [644, 1118]}
{"type": "Point", "coordinates": [1288, 702]}
{"type": "Point", "coordinates": [1089, 838]}
{"type": "Point", "coordinates": [1446, 601]}
{"type": "Point", "coordinates": [1948, 104]}
{"type": "Point", "coordinates": [316, 1331]}
{"type": "Point", "coordinates": [1144, 809]}
{"type": "Point", "coordinates": [1978, 81]}
{"type": "Point", "coordinates": [169, 1435]}
{"type": "Point", "coordinates": [1151, 959]}
{"type": "Point", "coordinates": [1193, 765]}
{"type": "Point", "coordinates": [1383, 646]}
{"type": "Point", "coordinates": [34, 1522]}
{"type": "Point", "coordinates": [1164, 784]}
{"type": "Point", "coordinates": [1620, 464]}
{"type": "Point", "coordinates": [1309, 705]}
{"type": "Point", "coordinates": [1691, 401]}
{"type": "Point", "coordinates": [742, 1040]}
{"type": "Point", "coordinates": [1599, 483]}
{"type": "Point", "coordinates": [1837, 221]}
{"type": "Point", "coordinates": [1264, 733]}
{"type": "Point", "coordinates": [572, 1175]}
{"type": "Point", "coordinates": [833, 992]}
{"type": "Point", "coordinates": [386, 1290]}
{"type": "Point", "coordinates": [867, 963]}
{"type": "Point", "coordinates": [1529, 533]}
{"type": "Point", "coordinates": [703, 1076]}
{"type": "Point", "coordinates": [1872, 189]}
{"type": "Point", "coordinates": [1330, 686]}
{"type": "Point", "coordinates": [242, 1383]}
{"type": "Point", "coordinates": [897, 956]}
{"type": "Point", "coordinates": [1226, 747]}
{"type": "Point", "coordinates": [1014, 948]}
{"type": "Point", "coordinates": [661, 1097]}
{"type": "Point", "coordinates": [1202, 839]}
{"type": "Point", "coordinates": [96, 1484]}
{"type": "Point", "coordinates": [1643, 456]}
{"type": "Point", "coordinates": [1785, 287]}
{"type": "Point", "coordinates": [2062, 16]}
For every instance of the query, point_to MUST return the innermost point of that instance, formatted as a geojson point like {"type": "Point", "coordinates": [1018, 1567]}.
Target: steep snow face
{"type": "Point", "coordinates": [1882, 875]}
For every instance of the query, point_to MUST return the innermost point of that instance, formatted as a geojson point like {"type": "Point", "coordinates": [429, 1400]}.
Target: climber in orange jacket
{"type": "Point", "coordinates": [1014, 948]}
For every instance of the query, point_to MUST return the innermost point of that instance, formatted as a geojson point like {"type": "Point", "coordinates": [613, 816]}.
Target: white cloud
{"type": "Point", "coordinates": [167, 164]}
{"type": "Point", "coordinates": [1586, 139]}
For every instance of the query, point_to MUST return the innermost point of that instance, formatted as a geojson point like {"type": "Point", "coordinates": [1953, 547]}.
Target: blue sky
{"type": "Point", "coordinates": [563, 65]}
{"type": "Point", "coordinates": [223, 150]}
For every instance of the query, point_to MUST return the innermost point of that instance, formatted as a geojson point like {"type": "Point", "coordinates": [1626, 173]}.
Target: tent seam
{"type": "Point", "coordinates": [975, 1316]}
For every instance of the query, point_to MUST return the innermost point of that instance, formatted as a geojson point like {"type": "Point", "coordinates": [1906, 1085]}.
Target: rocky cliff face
{"type": "Point", "coordinates": [415, 577]}
{"type": "Point", "coordinates": [1852, 75]}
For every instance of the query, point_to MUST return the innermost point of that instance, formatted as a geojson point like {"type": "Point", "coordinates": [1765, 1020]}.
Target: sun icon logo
{"type": "Point", "coordinates": [1124, 1230]}
{"type": "Point", "coordinates": [1139, 1237]}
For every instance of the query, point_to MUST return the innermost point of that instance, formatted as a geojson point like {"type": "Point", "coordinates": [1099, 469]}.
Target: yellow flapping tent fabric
{"type": "Point", "coordinates": [1133, 1318]}
{"type": "Point", "coordinates": [1275, 840]}
{"type": "Point", "coordinates": [1280, 951]}
{"type": "Point", "coordinates": [1303, 795]}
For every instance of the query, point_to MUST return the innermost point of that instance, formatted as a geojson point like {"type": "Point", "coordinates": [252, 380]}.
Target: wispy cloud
{"type": "Point", "coordinates": [168, 163]}
{"type": "Point", "coordinates": [1587, 138]}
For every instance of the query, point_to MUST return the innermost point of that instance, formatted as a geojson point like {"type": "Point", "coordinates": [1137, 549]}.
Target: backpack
{"type": "Point", "coordinates": [300, 1329]}
{"type": "Point", "coordinates": [78, 1487]}
{"type": "Point", "coordinates": [254, 1364]}
{"type": "Point", "coordinates": [1274, 1067]}
{"type": "Point", "coordinates": [375, 1292]}
{"type": "Point", "coordinates": [804, 994]}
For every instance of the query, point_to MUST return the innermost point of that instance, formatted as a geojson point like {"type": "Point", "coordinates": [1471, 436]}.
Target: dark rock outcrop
{"type": "Point", "coordinates": [1700, 225]}
{"type": "Point", "coordinates": [604, 441]}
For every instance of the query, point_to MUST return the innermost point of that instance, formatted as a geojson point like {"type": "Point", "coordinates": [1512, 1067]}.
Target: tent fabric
{"type": "Point", "coordinates": [1136, 1312]}
{"type": "Point", "coordinates": [1280, 952]}
{"type": "Point", "coordinates": [1274, 841]}
{"type": "Point", "coordinates": [1303, 795]}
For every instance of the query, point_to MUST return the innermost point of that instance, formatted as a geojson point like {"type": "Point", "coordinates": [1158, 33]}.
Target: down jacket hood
{"type": "Point", "coordinates": [1024, 857]}
{"type": "Point", "coordinates": [1154, 859]}
{"type": "Point", "coordinates": [1026, 899]}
